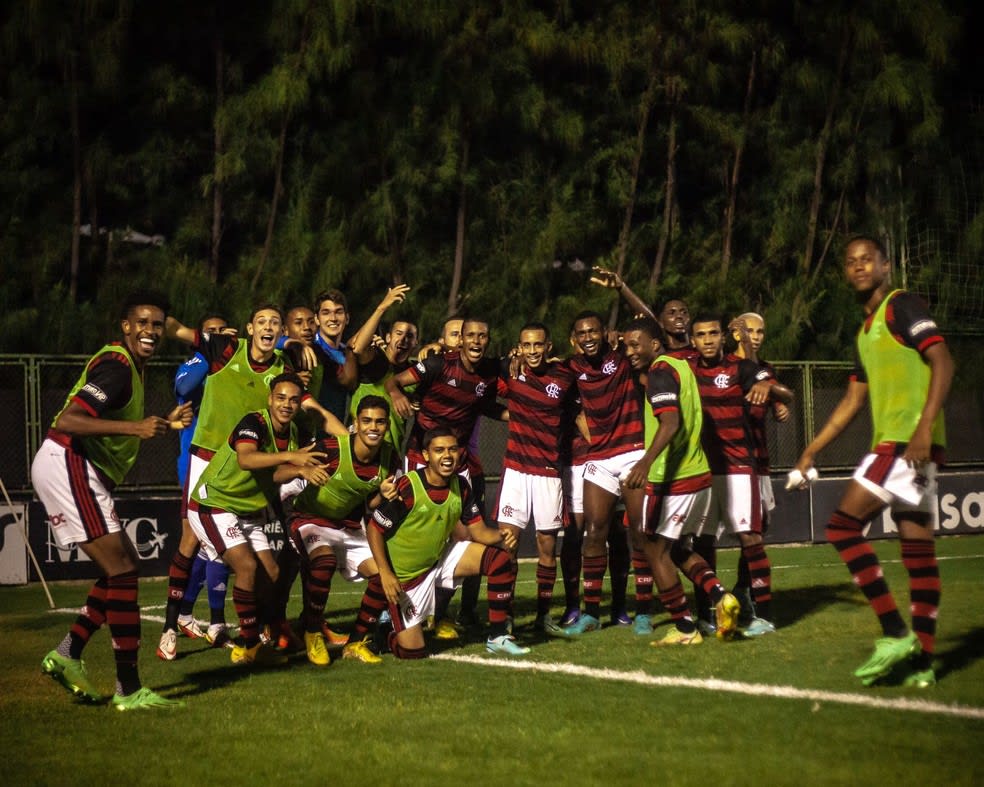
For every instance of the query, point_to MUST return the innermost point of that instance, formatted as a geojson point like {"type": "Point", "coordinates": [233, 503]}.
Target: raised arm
{"type": "Point", "coordinates": [612, 281]}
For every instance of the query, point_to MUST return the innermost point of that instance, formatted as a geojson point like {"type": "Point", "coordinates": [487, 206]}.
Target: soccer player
{"type": "Point", "coordinates": [228, 504]}
{"type": "Point", "coordinates": [612, 409]}
{"type": "Point", "coordinates": [378, 364]}
{"type": "Point", "coordinates": [904, 365]}
{"type": "Point", "coordinates": [728, 384]}
{"type": "Point", "coordinates": [340, 370]}
{"type": "Point", "coordinates": [327, 526]}
{"type": "Point", "coordinates": [90, 447]}
{"type": "Point", "coordinates": [239, 374]}
{"type": "Point", "coordinates": [530, 489]}
{"type": "Point", "coordinates": [677, 479]}
{"type": "Point", "coordinates": [409, 538]}
{"type": "Point", "coordinates": [189, 386]}
{"type": "Point", "coordinates": [757, 621]}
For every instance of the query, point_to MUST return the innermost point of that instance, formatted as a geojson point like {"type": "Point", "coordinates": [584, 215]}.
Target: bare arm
{"type": "Point", "coordinates": [331, 423]}
{"type": "Point", "coordinates": [361, 342]}
{"type": "Point", "coordinates": [176, 330]}
{"type": "Point", "coordinates": [940, 377]}
{"type": "Point", "coordinates": [377, 545]}
{"type": "Point", "coordinates": [669, 424]}
{"type": "Point", "coordinates": [848, 407]}
{"type": "Point", "coordinates": [394, 389]}
{"type": "Point", "coordinates": [76, 420]}
{"type": "Point", "coordinates": [612, 280]}
{"type": "Point", "coordinates": [250, 457]}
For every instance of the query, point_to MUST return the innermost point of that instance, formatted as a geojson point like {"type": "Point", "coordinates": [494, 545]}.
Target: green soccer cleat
{"type": "Point", "coordinates": [144, 698]}
{"type": "Point", "coordinates": [759, 626]}
{"type": "Point", "coordinates": [262, 654]}
{"type": "Point", "coordinates": [726, 613]}
{"type": "Point", "coordinates": [505, 645]}
{"type": "Point", "coordinates": [71, 674]}
{"type": "Point", "coordinates": [920, 679]}
{"type": "Point", "coordinates": [676, 637]}
{"type": "Point", "coordinates": [889, 651]}
{"type": "Point", "coordinates": [642, 625]}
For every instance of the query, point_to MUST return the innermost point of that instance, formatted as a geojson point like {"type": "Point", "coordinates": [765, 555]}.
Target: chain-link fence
{"type": "Point", "coordinates": [33, 388]}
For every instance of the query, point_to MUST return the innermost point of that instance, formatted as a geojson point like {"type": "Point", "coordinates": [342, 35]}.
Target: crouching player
{"type": "Point", "coordinates": [326, 526]}
{"type": "Point", "coordinates": [677, 478]}
{"type": "Point", "coordinates": [409, 537]}
{"type": "Point", "coordinates": [227, 509]}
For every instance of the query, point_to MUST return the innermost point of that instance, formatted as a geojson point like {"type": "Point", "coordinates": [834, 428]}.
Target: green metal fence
{"type": "Point", "coordinates": [33, 388]}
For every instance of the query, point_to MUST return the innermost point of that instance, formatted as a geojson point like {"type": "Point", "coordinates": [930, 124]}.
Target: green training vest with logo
{"type": "Point", "coordinates": [683, 457]}
{"type": "Point", "coordinates": [423, 534]}
{"type": "Point", "coordinates": [344, 490]}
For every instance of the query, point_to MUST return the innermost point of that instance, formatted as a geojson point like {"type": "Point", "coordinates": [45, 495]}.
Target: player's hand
{"type": "Point", "coordinates": [394, 295]}
{"type": "Point", "coordinates": [509, 539]}
{"type": "Point", "coordinates": [378, 342]}
{"type": "Point", "coordinates": [759, 393]}
{"type": "Point", "coordinates": [391, 586]}
{"type": "Point", "coordinates": [737, 325]}
{"type": "Point", "coordinates": [309, 358]}
{"type": "Point", "coordinates": [402, 405]}
{"type": "Point", "coordinates": [429, 349]}
{"type": "Point", "coordinates": [181, 416]}
{"type": "Point", "coordinates": [306, 456]}
{"type": "Point", "coordinates": [229, 331]}
{"type": "Point", "coordinates": [781, 412]}
{"type": "Point", "coordinates": [605, 278]}
{"type": "Point", "coordinates": [305, 376]}
{"type": "Point", "coordinates": [638, 476]}
{"type": "Point", "coordinates": [388, 488]}
{"type": "Point", "coordinates": [515, 363]}
{"type": "Point", "coordinates": [151, 426]}
{"type": "Point", "coordinates": [314, 474]}
{"type": "Point", "coordinates": [918, 451]}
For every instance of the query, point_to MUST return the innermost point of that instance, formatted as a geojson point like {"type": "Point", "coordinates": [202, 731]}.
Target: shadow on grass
{"type": "Point", "coordinates": [968, 649]}
{"type": "Point", "coordinates": [792, 606]}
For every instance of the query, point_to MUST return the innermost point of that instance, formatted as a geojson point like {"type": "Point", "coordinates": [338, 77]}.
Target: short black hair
{"type": "Point", "coordinates": [438, 431]}
{"type": "Point", "coordinates": [536, 326]}
{"type": "Point", "coordinates": [264, 306]}
{"type": "Point", "coordinates": [870, 239]}
{"type": "Point", "coordinates": [707, 317]}
{"type": "Point", "coordinates": [287, 377]}
{"type": "Point", "coordinates": [211, 316]}
{"type": "Point", "coordinates": [647, 325]}
{"type": "Point", "coordinates": [587, 314]}
{"type": "Point", "coordinates": [333, 295]}
{"type": "Point", "coordinates": [144, 298]}
{"type": "Point", "coordinates": [372, 401]}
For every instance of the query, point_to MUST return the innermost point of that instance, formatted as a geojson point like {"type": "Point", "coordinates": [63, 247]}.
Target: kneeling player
{"type": "Point", "coordinates": [677, 479]}
{"type": "Point", "coordinates": [411, 541]}
{"type": "Point", "coordinates": [228, 504]}
{"type": "Point", "coordinates": [326, 527]}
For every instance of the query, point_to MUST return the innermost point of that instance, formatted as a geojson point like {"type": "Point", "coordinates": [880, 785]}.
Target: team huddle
{"type": "Point", "coordinates": [641, 449]}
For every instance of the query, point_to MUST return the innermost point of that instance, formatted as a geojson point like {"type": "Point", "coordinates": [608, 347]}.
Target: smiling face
{"type": "Point", "coordinates": [708, 339]}
{"type": "Point", "coordinates": [301, 324]}
{"type": "Point", "coordinates": [474, 341]}
{"type": "Point", "coordinates": [675, 318]}
{"type": "Point", "coordinates": [534, 347]}
{"type": "Point", "coordinates": [284, 402]}
{"type": "Point", "coordinates": [401, 341]}
{"type": "Point", "coordinates": [143, 330]}
{"type": "Point", "coordinates": [370, 427]}
{"type": "Point", "coordinates": [441, 456]}
{"type": "Point", "coordinates": [264, 330]}
{"type": "Point", "coordinates": [588, 336]}
{"type": "Point", "coordinates": [640, 349]}
{"type": "Point", "coordinates": [332, 319]}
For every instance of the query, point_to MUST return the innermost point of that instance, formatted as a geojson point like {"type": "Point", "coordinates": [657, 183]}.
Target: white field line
{"type": "Point", "coordinates": [732, 686]}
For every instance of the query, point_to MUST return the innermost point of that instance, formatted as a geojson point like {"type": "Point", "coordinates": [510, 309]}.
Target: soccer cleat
{"type": "Point", "coordinates": [707, 622]}
{"type": "Point", "coordinates": [570, 617]}
{"type": "Point", "coordinates": [621, 618]}
{"type": "Point", "coordinates": [144, 698]}
{"type": "Point", "coordinates": [360, 651]}
{"type": "Point", "coordinates": [317, 653]}
{"type": "Point", "coordinates": [505, 645]}
{"type": "Point", "coordinates": [262, 654]}
{"type": "Point", "coordinates": [642, 625]}
{"type": "Point", "coordinates": [726, 613]}
{"type": "Point", "coordinates": [335, 639]}
{"type": "Point", "coordinates": [758, 627]}
{"type": "Point", "coordinates": [744, 596]}
{"type": "Point", "coordinates": [920, 679]}
{"type": "Point", "coordinates": [580, 626]}
{"type": "Point", "coordinates": [676, 637]}
{"type": "Point", "coordinates": [445, 629]}
{"type": "Point", "coordinates": [287, 639]}
{"type": "Point", "coordinates": [167, 648]}
{"type": "Point", "coordinates": [546, 624]}
{"type": "Point", "coordinates": [191, 627]}
{"type": "Point", "coordinates": [71, 674]}
{"type": "Point", "coordinates": [889, 651]}
{"type": "Point", "coordinates": [218, 636]}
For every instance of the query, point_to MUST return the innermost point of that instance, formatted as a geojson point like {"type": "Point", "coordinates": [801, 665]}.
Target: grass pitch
{"type": "Point", "coordinates": [606, 710]}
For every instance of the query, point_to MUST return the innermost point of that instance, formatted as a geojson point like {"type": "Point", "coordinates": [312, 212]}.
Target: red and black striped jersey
{"type": "Point", "coordinates": [537, 401]}
{"type": "Point", "coordinates": [726, 435]}
{"type": "Point", "coordinates": [757, 415]}
{"type": "Point", "coordinates": [453, 397]}
{"type": "Point", "coordinates": [611, 401]}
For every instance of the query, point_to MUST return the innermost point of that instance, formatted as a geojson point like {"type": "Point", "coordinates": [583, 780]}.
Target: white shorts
{"type": "Point", "coordinates": [899, 486]}
{"type": "Point", "coordinates": [79, 506]}
{"type": "Point", "coordinates": [574, 488]}
{"type": "Point", "coordinates": [196, 466]}
{"type": "Point", "coordinates": [417, 602]}
{"type": "Point", "coordinates": [350, 546]}
{"type": "Point", "coordinates": [735, 504]}
{"type": "Point", "coordinates": [611, 472]}
{"type": "Point", "coordinates": [523, 496]}
{"type": "Point", "coordinates": [766, 495]}
{"type": "Point", "coordinates": [675, 516]}
{"type": "Point", "coordinates": [219, 531]}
